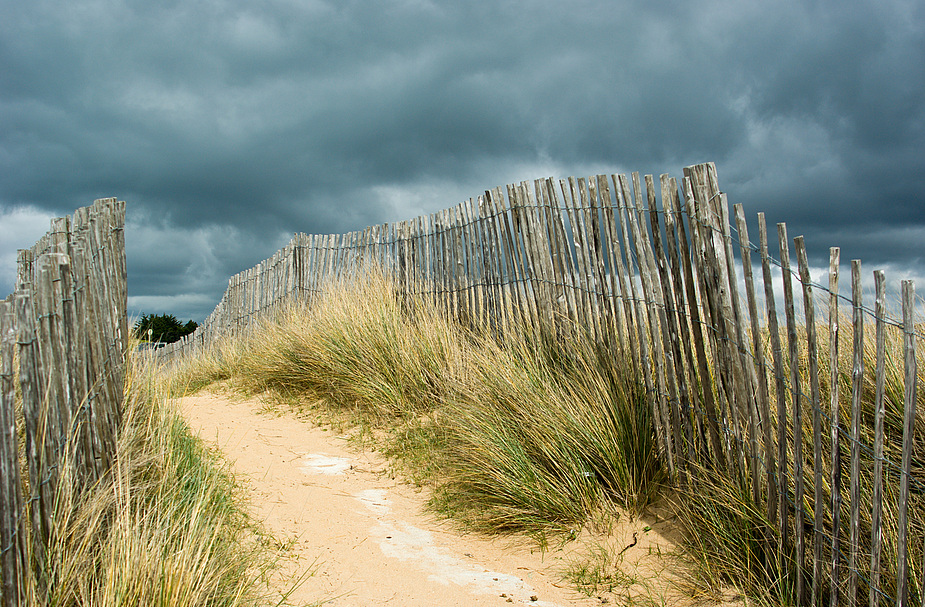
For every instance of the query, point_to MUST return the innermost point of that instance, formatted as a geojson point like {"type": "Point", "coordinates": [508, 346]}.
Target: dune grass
{"type": "Point", "coordinates": [730, 535]}
{"type": "Point", "coordinates": [547, 432]}
{"type": "Point", "coordinates": [523, 433]}
{"type": "Point", "coordinates": [542, 432]}
{"type": "Point", "coordinates": [167, 527]}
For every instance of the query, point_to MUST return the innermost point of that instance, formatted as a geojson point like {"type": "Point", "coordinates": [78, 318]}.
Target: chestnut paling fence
{"type": "Point", "coordinates": [823, 434]}
{"type": "Point", "coordinates": [63, 335]}
{"type": "Point", "coordinates": [811, 409]}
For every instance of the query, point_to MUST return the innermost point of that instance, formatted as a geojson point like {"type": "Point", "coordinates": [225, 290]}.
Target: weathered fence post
{"type": "Point", "coordinates": [763, 397]}
{"type": "Point", "coordinates": [876, 530]}
{"type": "Point", "coordinates": [909, 396]}
{"type": "Point", "coordinates": [857, 382]}
{"type": "Point", "coordinates": [816, 404]}
{"type": "Point", "coordinates": [34, 427]}
{"type": "Point", "coordinates": [780, 389]}
{"type": "Point", "coordinates": [834, 425]}
{"type": "Point", "coordinates": [797, 407]}
{"type": "Point", "coordinates": [13, 564]}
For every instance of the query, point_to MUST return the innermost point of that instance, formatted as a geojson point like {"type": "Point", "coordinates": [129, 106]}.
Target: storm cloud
{"type": "Point", "coordinates": [228, 125]}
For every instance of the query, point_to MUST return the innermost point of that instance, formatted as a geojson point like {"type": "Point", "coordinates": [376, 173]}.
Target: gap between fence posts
{"type": "Point", "coordinates": [782, 518]}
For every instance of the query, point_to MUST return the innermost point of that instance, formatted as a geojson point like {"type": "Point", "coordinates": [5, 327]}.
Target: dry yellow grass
{"type": "Point", "coordinates": [167, 527]}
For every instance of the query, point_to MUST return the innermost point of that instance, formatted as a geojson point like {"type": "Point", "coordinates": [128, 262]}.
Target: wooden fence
{"type": "Point", "coordinates": [829, 445]}
{"type": "Point", "coordinates": [63, 336]}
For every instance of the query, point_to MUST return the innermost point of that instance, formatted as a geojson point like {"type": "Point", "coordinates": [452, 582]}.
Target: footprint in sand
{"type": "Point", "coordinates": [322, 463]}
{"type": "Point", "coordinates": [405, 542]}
{"type": "Point", "coordinates": [375, 500]}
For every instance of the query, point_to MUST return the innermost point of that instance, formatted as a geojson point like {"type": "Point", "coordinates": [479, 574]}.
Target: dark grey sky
{"type": "Point", "coordinates": [228, 125]}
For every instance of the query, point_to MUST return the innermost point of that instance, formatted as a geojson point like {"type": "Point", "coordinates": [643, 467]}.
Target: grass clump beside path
{"type": "Point", "coordinates": [525, 433]}
{"type": "Point", "coordinates": [167, 527]}
{"type": "Point", "coordinates": [547, 433]}
{"type": "Point", "coordinates": [735, 542]}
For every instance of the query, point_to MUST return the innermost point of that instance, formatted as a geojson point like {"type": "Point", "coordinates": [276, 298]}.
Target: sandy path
{"type": "Point", "coordinates": [372, 540]}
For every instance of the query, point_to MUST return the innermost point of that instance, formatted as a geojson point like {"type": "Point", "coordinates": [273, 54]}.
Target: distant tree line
{"type": "Point", "coordinates": [164, 328]}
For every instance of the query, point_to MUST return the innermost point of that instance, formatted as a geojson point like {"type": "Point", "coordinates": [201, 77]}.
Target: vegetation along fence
{"type": "Point", "coordinates": [822, 434]}
{"type": "Point", "coordinates": [65, 328]}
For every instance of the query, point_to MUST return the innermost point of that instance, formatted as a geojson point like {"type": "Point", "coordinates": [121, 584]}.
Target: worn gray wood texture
{"type": "Point", "coordinates": [857, 384]}
{"type": "Point", "coordinates": [13, 556]}
{"type": "Point", "coordinates": [909, 396]}
{"type": "Point", "coordinates": [876, 529]}
{"type": "Point", "coordinates": [780, 389]}
{"type": "Point", "coordinates": [816, 404]}
{"type": "Point", "coordinates": [68, 320]}
{"type": "Point", "coordinates": [768, 455]}
{"type": "Point", "coordinates": [796, 404]}
{"type": "Point", "coordinates": [835, 477]}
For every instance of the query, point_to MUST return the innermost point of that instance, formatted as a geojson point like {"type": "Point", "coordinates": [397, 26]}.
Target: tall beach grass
{"type": "Point", "coordinates": [168, 526]}
{"type": "Point", "coordinates": [521, 433]}
{"type": "Point", "coordinates": [730, 534]}
{"type": "Point", "coordinates": [544, 431]}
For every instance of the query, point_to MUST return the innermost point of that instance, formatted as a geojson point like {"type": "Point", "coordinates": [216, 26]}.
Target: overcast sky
{"type": "Point", "coordinates": [227, 125]}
